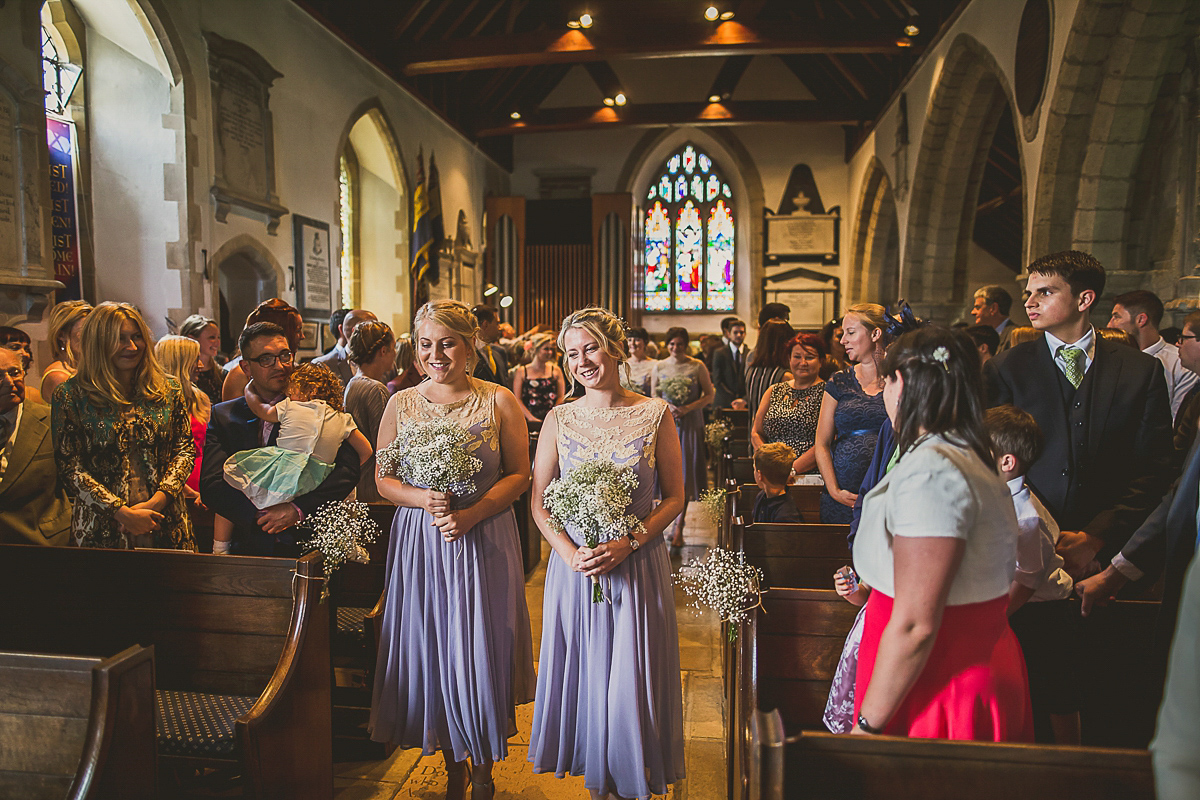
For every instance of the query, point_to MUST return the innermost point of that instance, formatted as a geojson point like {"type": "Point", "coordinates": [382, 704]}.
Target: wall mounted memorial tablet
{"type": "Point", "coordinates": [314, 279]}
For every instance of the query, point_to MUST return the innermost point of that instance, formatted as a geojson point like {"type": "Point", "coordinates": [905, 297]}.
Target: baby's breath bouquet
{"type": "Point", "coordinates": [675, 389]}
{"type": "Point", "coordinates": [715, 433]}
{"type": "Point", "coordinates": [431, 454]}
{"type": "Point", "coordinates": [592, 497]}
{"type": "Point", "coordinates": [713, 503]}
{"type": "Point", "coordinates": [724, 583]}
{"type": "Point", "coordinates": [341, 531]}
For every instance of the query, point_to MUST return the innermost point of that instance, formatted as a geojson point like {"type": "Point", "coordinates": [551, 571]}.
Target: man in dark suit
{"type": "Point", "coordinates": [729, 363]}
{"type": "Point", "coordinates": [492, 364]}
{"type": "Point", "coordinates": [992, 306]}
{"type": "Point", "coordinates": [233, 427]}
{"type": "Point", "coordinates": [1101, 406]}
{"type": "Point", "coordinates": [34, 508]}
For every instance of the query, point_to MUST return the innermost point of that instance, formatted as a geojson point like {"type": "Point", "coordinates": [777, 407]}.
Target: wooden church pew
{"type": "Point", "coordinates": [807, 498]}
{"type": "Point", "coordinates": [793, 556]}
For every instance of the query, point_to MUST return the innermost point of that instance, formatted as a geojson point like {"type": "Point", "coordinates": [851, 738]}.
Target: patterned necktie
{"type": "Point", "coordinates": [1072, 358]}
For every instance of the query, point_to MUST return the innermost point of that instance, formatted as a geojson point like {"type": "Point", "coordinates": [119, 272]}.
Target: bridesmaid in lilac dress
{"type": "Point", "coordinates": [456, 653]}
{"type": "Point", "coordinates": [609, 704]}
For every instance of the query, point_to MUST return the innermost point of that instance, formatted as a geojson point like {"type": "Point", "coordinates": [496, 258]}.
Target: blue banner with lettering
{"type": "Point", "coordinates": [64, 224]}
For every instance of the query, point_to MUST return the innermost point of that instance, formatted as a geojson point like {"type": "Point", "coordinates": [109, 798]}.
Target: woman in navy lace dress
{"type": "Point", "coordinates": [851, 413]}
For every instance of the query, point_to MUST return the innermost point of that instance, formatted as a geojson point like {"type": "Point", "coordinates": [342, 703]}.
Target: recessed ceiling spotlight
{"type": "Point", "coordinates": [726, 15]}
{"type": "Point", "coordinates": [608, 101]}
{"type": "Point", "coordinates": [911, 30]}
{"type": "Point", "coordinates": [515, 115]}
{"type": "Point", "coordinates": [620, 99]}
{"type": "Point", "coordinates": [573, 23]}
{"type": "Point", "coordinates": [714, 98]}
{"type": "Point", "coordinates": [711, 13]}
{"type": "Point", "coordinates": [585, 20]}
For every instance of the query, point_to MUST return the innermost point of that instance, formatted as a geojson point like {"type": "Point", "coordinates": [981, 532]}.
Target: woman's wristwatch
{"type": "Point", "coordinates": [634, 544]}
{"type": "Point", "coordinates": [866, 726]}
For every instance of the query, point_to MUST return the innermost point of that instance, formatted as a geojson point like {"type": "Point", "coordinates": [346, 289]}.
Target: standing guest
{"type": "Point", "coordinates": [123, 439]}
{"type": "Point", "coordinates": [1139, 314]}
{"type": "Point", "coordinates": [852, 412]}
{"type": "Point", "coordinates": [66, 330]}
{"type": "Point", "coordinates": [1189, 411]}
{"type": "Point", "coordinates": [772, 473]}
{"type": "Point", "coordinates": [772, 311]}
{"type": "Point", "coordinates": [19, 342]}
{"type": "Point", "coordinates": [992, 306]}
{"type": "Point", "coordinates": [1170, 335]}
{"type": "Point", "coordinates": [729, 364]}
{"type": "Point", "coordinates": [277, 312]}
{"type": "Point", "coordinates": [687, 407]}
{"type": "Point", "coordinates": [639, 365]}
{"type": "Point", "coordinates": [34, 508]}
{"type": "Point", "coordinates": [338, 358]}
{"type": "Point", "coordinates": [767, 365]}
{"type": "Point", "coordinates": [268, 360]}
{"type": "Point", "coordinates": [210, 376]}
{"type": "Point", "coordinates": [408, 368]}
{"type": "Point", "coordinates": [1102, 407]}
{"type": "Point", "coordinates": [540, 385]}
{"type": "Point", "coordinates": [831, 332]}
{"type": "Point", "coordinates": [456, 652]}
{"type": "Point", "coordinates": [180, 359]}
{"type": "Point", "coordinates": [789, 411]}
{"type": "Point", "coordinates": [372, 351]}
{"type": "Point", "coordinates": [609, 704]}
{"type": "Point", "coordinates": [1175, 755]}
{"type": "Point", "coordinates": [937, 545]}
{"type": "Point", "coordinates": [492, 364]}
{"type": "Point", "coordinates": [987, 341]}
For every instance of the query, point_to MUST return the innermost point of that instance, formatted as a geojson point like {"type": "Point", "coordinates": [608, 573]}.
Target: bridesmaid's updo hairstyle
{"type": "Point", "coordinates": [943, 389]}
{"type": "Point", "coordinates": [367, 340]}
{"type": "Point", "coordinates": [604, 326]}
{"type": "Point", "coordinates": [455, 316]}
{"type": "Point", "coordinates": [874, 318]}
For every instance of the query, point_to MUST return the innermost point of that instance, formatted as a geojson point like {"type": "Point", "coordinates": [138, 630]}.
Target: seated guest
{"type": "Point", "coordinates": [338, 358]}
{"type": "Point", "coordinates": [275, 311]}
{"type": "Point", "coordinates": [180, 359]}
{"type": "Point", "coordinates": [1039, 607]}
{"type": "Point", "coordinates": [267, 358]}
{"type": "Point", "coordinates": [729, 363]}
{"type": "Point", "coordinates": [123, 439]}
{"type": "Point", "coordinates": [789, 410]}
{"type": "Point", "coordinates": [372, 351]}
{"type": "Point", "coordinates": [34, 508]}
{"type": "Point", "coordinates": [937, 545]}
{"type": "Point", "coordinates": [210, 376]}
{"type": "Point", "coordinates": [1139, 314]}
{"type": "Point", "coordinates": [772, 473]}
{"type": "Point", "coordinates": [987, 341]}
{"type": "Point", "coordinates": [640, 365]}
{"type": "Point", "coordinates": [539, 386]}
{"type": "Point", "coordinates": [408, 368]}
{"type": "Point", "coordinates": [19, 342]}
{"type": "Point", "coordinates": [66, 328]}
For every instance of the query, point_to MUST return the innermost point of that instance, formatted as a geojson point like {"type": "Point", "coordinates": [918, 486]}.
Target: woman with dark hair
{"type": "Point", "coordinates": [18, 341]}
{"type": "Point", "coordinates": [937, 546]}
{"type": "Point", "coordinates": [205, 331]}
{"type": "Point", "coordinates": [789, 410]}
{"type": "Point", "coordinates": [372, 350]}
{"type": "Point", "coordinates": [684, 383]}
{"type": "Point", "coordinates": [768, 364]}
{"type": "Point", "coordinates": [640, 365]}
{"type": "Point", "coordinates": [276, 311]}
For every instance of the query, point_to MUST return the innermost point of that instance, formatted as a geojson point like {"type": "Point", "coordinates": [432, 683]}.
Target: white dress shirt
{"type": "Point", "coordinates": [1039, 567]}
{"type": "Point", "coordinates": [1086, 343]}
{"type": "Point", "coordinates": [1180, 380]}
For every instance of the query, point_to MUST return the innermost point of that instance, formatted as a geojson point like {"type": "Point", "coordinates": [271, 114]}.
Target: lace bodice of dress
{"type": "Point", "coordinates": [621, 434]}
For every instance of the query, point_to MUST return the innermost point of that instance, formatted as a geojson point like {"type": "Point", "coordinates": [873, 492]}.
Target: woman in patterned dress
{"type": "Point", "coordinates": [609, 704]}
{"type": "Point", "coordinates": [684, 383]}
{"type": "Point", "coordinates": [456, 652]}
{"type": "Point", "coordinates": [123, 439]}
{"type": "Point", "coordinates": [540, 384]}
{"type": "Point", "coordinates": [789, 410]}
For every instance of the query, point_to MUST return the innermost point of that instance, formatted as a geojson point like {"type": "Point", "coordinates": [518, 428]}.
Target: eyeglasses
{"type": "Point", "coordinates": [1188, 336]}
{"type": "Point", "coordinates": [267, 360]}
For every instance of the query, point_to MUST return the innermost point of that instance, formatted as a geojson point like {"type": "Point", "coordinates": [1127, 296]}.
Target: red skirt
{"type": "Point", "coordinates": [974, 685]}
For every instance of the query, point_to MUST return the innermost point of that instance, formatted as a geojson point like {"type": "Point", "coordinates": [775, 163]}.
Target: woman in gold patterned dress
{"type": "Point", "coordinates": [123, 439]}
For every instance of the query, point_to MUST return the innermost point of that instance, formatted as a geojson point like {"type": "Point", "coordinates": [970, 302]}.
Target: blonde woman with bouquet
{"type": "Point", "coordinates": [609, 705]}
{"type": "Point", "coordinates": [684, 383]}
{"type": "Point", "coordinates": [456, 652]}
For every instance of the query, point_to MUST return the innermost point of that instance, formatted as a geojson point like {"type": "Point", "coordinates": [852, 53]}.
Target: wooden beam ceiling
{"type": "Point", "coordinates": [727, 78]}
{"type": "Point", "coordinates": [725, 39]}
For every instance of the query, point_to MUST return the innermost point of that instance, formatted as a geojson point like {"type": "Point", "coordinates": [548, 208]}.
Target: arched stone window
{"type": "Point", "coordinates": [689, 236]}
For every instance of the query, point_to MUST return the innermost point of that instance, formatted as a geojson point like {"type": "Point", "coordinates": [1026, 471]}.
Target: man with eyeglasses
{"type": "Point", "coordinates": [267, 362]}
{"type": "Point", "coordinates": [34, 508]}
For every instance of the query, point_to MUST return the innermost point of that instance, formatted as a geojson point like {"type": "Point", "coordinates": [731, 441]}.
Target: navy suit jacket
{"type": "Point", "coordinates": [233, 428]}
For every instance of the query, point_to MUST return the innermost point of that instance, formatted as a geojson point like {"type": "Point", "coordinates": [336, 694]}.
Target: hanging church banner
{"type": "Point", "coordinates": [64, 222]}
{"type": "Point", "coordinates": [314, 280]}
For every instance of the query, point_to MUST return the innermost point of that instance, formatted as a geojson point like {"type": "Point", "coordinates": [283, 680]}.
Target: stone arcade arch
{"type": "Point", "coordinates": [967, 104]}
{"type": "Point", "coordinates": [246, 274]}
{"type": "Point", "coordinates": [875, 259]}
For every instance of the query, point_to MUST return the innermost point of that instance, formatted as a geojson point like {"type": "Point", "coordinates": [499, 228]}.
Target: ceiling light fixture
{"type": "Point", "coordinates": [714, 98]}
{"type": "Point", "coordinates": [911, 29]}
{"type": "Point", "coordinates": [585, 20]}
{"type": "Point", "coordinates": [726, 15]}
{"type": "Point", "coordinates": [711, 13]}
{"type": "Point", "coordinates": [620, 99]}
{"type": "Point", "coordinates": [490, 289]}
{"type": "Point", "coordinates": [608, 101]}
{"type": "Point", "coordinates": [515, 115]}
{"type": "Point", "coordinates": [506, 301]}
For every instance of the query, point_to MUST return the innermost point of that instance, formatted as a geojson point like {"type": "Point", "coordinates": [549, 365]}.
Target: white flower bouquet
{"type": "Point", "coordinates": [341, 531]}
{"type": "Point", "coordinates": [593, 497]}
{"type": "Point", "coordinates": [713, 503]}
{"type": "Point", "coordinates": [675, 390]}
{"type": "Point", "coordinates": [715, 433]}
{"type": "Point", "coordinates": [433, 455]}
{"type": "Point", "coordinates": [724, 583]}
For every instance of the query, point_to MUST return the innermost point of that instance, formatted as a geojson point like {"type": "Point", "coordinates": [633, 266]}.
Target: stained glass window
{"type": "Point", "coordinates": [690, 237]}
{"type": "Point", "coordinates": [347, 197]}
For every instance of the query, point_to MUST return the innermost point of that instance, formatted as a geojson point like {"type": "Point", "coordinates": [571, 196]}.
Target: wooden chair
{"type": "Point", "coordinates": [54, 708]}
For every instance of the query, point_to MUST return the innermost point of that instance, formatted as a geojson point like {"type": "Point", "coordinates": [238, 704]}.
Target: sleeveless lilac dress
{"type": "Point", "coordinates": [456, 653]}
{"type": "Point", "coordinates": [609, 702]}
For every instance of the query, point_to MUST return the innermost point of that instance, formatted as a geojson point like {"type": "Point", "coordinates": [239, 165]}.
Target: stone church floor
{"type": "Point", "coordinates": [406, 775]}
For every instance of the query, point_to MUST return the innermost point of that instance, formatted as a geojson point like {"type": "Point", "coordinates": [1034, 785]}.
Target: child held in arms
{"type": "Point", "coordinates": [312, 426]}
{"type": "Point", "coordinates": [1039, 610]}
{"type": "Point", "coordinates": [772, 472]}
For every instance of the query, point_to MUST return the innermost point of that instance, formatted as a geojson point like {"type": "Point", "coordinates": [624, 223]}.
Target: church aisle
{"type": "Point", "coordinates": [408, 776]}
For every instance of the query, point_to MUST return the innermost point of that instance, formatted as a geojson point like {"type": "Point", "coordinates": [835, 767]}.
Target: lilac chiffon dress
{"type": "Point", "coordinates": [456, 653]}
{"type": "Point", "coordinates": [609, 702]}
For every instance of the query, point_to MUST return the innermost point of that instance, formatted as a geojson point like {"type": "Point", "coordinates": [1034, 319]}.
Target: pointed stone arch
{"type": "Point", "coordinates": [875, 257]}
{"type": "Point", "coordinates": [967, 103]}
{"type": "Point", "coordinates": [244, 273]}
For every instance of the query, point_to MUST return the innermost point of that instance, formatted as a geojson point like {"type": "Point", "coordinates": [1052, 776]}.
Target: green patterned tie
{"type": "Point", "coordinates": [1072, 358]}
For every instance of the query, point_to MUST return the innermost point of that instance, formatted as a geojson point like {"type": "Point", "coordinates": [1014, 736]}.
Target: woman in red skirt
{"type": "Point", "coordinates": [937, 545]}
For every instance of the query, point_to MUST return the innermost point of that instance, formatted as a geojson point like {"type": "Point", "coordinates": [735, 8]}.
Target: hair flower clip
{"type": "Point", "coordinates": [942, 356]}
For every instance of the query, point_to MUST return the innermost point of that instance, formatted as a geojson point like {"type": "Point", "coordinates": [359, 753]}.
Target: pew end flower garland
{"type": "Point", "coordinates": [715, 433]}
{"type": "Point", "coordinates": [724, 584]}
{"type": "Point", "coordinates": [341, 532]}
{"type": "Point", "coordinates": [593, 497]}
{"type": "Point", "coordinates": [713, 503]}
